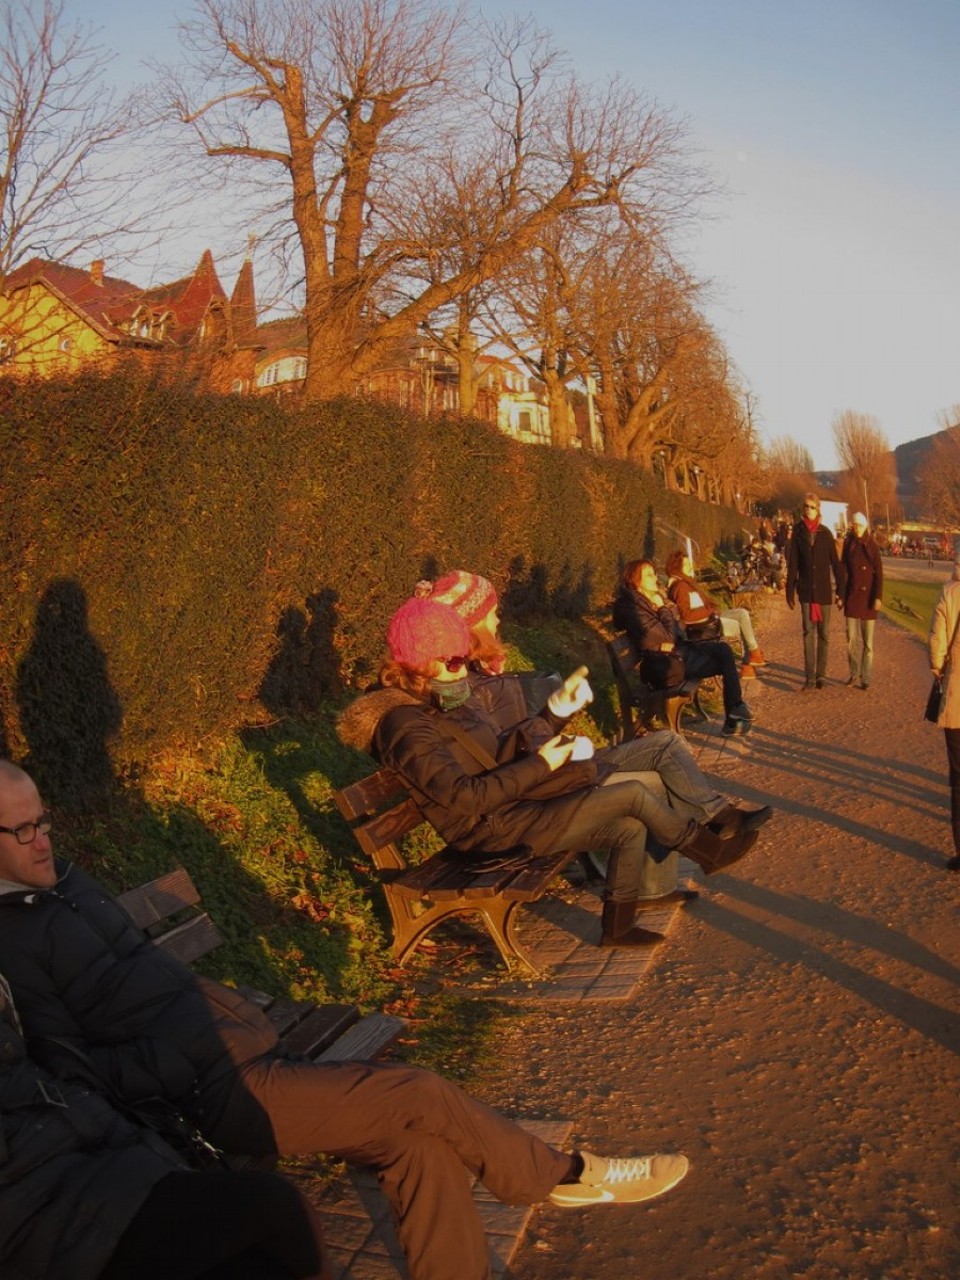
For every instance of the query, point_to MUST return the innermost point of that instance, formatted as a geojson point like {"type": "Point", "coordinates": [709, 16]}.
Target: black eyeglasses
{"type": "Point", "coordinates": [810, 506]}
{"type": "Point", "coordinates": [26, 833]}
{"type": "Point", "coordinates": [454, 665]}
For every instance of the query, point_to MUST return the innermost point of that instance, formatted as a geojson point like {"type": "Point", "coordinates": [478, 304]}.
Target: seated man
{"type": "Point", "coordinates": [88, 1194]}
{"type": "Point", "coordinates": [91, 988]}
{"type": "Point", "coordinates": [697, 610]}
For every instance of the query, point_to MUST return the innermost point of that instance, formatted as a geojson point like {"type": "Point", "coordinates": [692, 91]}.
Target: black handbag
{"type": "Point", "coordinates": [710, 629]}
{"type": "Point", "coordinates": [931, 711]}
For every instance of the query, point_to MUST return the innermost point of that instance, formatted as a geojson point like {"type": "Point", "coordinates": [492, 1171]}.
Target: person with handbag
{"type": "Point", "coordinates": [86, 1193]}
{"type": "Point", "coordinates": [702, 617]}
{"type": "Point", "coordinates": [92, 988]}
{"type": "Point", "coordinates": [519, 793]}
{"type": "Point", "coordinates": [944, 646]}
{"type": "Point", "coordinates": [666, 656]}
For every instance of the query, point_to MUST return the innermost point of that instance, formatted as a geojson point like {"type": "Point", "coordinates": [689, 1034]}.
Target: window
{"type": "Point", "coordinates": [287, 369]}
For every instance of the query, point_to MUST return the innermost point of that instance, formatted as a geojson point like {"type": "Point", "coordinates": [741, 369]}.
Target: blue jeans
{"type": "Point", "coordinates": [861, 664]}
{"type": "Point", "coordinates": [816, 641]}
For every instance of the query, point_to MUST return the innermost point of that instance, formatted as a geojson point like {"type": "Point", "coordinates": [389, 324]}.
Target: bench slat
{"type": "Point", "coordinates": [150, 903]}
{"type": "Point", "coordinates": [191, 940]}
{"type": "Point", "coordinates": [366, 1039]}
{"type": "Point", "coordinates": [321, 1028]}
{"type": "Point", "coordinates": [374, 835]}
{"type": "Point", "coordinates": [530, 884]}
{"type": "Point", "coordinates": [369, 794]}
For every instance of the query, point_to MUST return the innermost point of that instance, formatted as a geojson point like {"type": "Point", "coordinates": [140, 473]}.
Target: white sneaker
{"type": "Point", "coordinates": [619, 1181]}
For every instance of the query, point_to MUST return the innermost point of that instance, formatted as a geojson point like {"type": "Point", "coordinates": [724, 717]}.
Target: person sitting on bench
{"type": "Point", "coordinates": [521, 793]}
{"type": "Point", "coordinates": [95, 995]}
{"type": "Point", "coordinates": [666, 658]}
{"type": "Point", "coordinates": [699, 612]}
{"type": "Point", "coordinates": [87, 1193]}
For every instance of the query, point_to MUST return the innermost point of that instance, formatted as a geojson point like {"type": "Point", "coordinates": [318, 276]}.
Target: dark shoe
{"type": "Point", "coordinates": [740, 712]}
{"type": "Point", "coordinates": [730, 821]}
{"type": "Point", "coordinates": [820, 682]}
{"type": "Point", "coordinates": [735, 727]}
{"type": "Point", "coordinates": [807, 686]}
{"type": "Point", "coordinates": [954, 863]}
{"type": "Point", "coordinates": [678, 898]}
{"type": "Point", "coordinates": [852, 680]}
{"type": "Point", "coordinates": [619, 929]}
{"type": "Point", "coordinates": [864, 685]}
{"type": "Point", "coordinates": [710, 853]}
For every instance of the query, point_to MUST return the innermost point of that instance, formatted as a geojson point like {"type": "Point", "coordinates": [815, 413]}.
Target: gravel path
{"type": "Point", "coordinates": [798, 1036]}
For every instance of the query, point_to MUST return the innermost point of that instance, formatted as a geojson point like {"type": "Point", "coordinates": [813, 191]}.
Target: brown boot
{"type": "Point", "coordinates": [712, 853]}
{"type": "Point", "coordinates": [619, 929]}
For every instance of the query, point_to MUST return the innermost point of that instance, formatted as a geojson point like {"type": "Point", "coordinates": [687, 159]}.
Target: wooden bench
{"type": "Point", "coordinates": [641, 705]}
{"type": "Point", "coordinates": [168, 911]}
{"type": "Point", "coordinates": [445, 884]}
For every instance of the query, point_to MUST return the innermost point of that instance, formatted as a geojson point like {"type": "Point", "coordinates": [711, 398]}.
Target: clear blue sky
{"type": "Point", "coordinates": [835, 127]}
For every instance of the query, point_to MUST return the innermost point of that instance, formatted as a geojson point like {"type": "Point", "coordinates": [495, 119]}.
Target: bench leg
{"type": "Point", "coordinates": [497, 914]}
{"type": "Point", "coordinates": [673, 710]}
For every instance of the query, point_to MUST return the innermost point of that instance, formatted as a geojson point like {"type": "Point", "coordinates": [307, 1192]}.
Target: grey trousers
{"type": "Point", "coordinates": [860, 651]}
{"type": "Point", "coordinates": [630, 805]}
{"type": "Point", "coordinates": [816, 641]}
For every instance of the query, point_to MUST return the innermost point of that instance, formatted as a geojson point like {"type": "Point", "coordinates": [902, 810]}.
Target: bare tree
{"type": "Point", "coordinates": [374, 114]}
{"type": "Point", "coordinates": [865, 453]}
{"type": "Point", "coordinates": [789, 472]}
{"type": "Point", "coordinates": [60, 184]}
{"type": "Point", "coordinates": [939, 474]}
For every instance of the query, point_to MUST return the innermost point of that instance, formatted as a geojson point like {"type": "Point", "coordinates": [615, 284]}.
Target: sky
{"type": "Point", "coordinates": [833, 128]}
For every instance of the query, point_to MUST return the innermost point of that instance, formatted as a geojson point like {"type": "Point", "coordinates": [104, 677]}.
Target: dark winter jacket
{"type": "Point", "coordinates": [863, 568]}
{"type": "Point", "coordinates": [73, 1172]}
{"type": "Point", "coordinates": [474, 807]}
{"type": "Point", "coordinates": [82, 972]}
{"type": "Point", "coordinates": [810, 563]}
{"type": "Point", "coordinates": [648, 626]}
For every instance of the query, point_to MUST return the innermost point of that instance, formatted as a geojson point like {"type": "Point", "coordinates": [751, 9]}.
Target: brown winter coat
{"type": "Point", "coordinates": [863, 567]}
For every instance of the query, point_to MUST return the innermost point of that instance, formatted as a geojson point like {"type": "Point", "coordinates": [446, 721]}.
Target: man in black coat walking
{"type": "Point", "coordinates": [811, 563]}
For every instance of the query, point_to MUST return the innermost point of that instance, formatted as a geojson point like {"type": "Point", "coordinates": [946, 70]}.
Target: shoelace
{"type": "Point", "coordinates": [627, 1170]}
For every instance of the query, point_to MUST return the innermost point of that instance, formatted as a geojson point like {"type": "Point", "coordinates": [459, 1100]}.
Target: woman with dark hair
{"type": "Point", "coordinates": [666, 657]}
{"type": "Point", "coordinates": [531, 789]}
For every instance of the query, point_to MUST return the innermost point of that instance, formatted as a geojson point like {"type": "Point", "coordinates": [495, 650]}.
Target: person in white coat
{"type": "Point", "coordinates": [945, 663]}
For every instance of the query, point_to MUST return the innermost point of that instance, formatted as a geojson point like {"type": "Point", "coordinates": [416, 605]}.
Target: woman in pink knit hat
{"type": "Point", "coordinates": [475, 600]}
{"type": "Point", "coordinates": [532, 789]}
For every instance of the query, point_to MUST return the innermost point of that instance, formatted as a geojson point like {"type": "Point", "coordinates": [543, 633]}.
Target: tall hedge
{"type": "Point", "coordinates": [170, 557]}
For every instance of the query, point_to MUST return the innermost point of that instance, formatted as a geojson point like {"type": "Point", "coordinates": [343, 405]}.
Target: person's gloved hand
{"type": "Point", "coordinates": [582, 748]}
{"type": "Point", "coordinates": [572, 696]}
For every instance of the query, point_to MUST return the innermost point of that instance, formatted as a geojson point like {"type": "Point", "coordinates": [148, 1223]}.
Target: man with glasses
{"type": "Point", "coordinates": [811, 564]}
{"type": "Point", "coordinates": [92, 990]}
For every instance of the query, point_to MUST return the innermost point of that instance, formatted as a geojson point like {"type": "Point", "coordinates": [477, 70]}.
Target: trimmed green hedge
{"type": "Point", "coordinates": [171, 557]}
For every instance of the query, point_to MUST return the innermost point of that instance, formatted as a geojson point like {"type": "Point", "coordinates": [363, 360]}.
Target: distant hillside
{"type": "Point", "coordinates": [908, 458]}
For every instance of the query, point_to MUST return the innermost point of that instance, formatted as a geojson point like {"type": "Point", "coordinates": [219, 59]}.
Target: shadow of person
{"type": "Point", "coordinates": [305, 670]}
{"type": "Point", "coordinates": [68, 708]}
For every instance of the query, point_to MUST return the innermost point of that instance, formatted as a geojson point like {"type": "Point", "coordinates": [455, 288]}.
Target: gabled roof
{"type": "Point", "coordinates": [108, 304]}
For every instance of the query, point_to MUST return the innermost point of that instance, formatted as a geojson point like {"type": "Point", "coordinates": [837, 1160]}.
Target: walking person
{"type": "Point", "coordinates": [862, 597]}
{"type": "Point", "coordinates": [945, 664]}
{"type": "Point", "coordinates": [811, 563]}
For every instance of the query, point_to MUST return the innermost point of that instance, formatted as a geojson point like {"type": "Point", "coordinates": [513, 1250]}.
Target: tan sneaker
{"type": "Point", "coordinates": [748, 672]}
{"type": "Point", "coordinates": [757, 659]}
{"type": "Point", "coordinates": [619, 1181]}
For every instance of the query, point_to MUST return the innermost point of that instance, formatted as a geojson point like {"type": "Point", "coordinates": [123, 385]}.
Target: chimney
{"type": "Point", "coordinates": [96, 271]}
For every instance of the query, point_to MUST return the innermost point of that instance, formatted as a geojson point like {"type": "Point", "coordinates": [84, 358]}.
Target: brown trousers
{"type": "Point", "coordinates": [420, 1133]}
